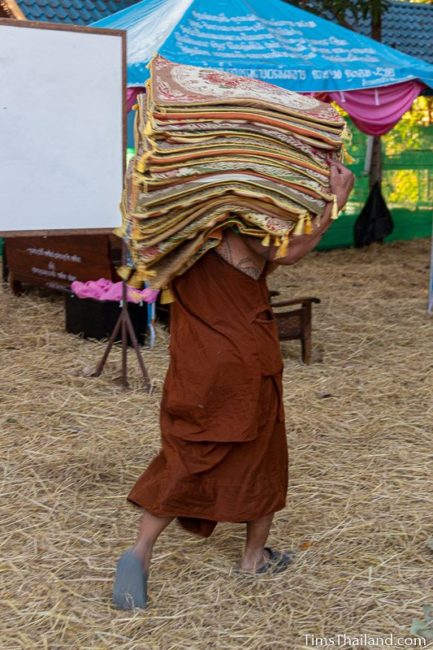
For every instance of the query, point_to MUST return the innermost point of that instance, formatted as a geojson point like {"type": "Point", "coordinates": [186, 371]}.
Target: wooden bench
{"type": "Point", "coordinates": [295, 323]}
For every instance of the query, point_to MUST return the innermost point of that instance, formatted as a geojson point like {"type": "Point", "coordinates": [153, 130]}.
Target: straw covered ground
{"type": "Point", "coordinates": [359, 426]}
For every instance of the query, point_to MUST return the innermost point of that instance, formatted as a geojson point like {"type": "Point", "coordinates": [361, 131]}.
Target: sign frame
{"type": "Point", "coordinates": [30, 24]}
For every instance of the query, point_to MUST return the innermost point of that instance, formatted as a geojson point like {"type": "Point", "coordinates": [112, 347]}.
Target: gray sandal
{"type": "Point", "coordinates": [130, 584]}
{"type": "Point", "coordinates": [277, 561]}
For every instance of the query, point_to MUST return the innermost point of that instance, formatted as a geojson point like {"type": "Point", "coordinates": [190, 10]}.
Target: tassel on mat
{"type": "Point", "coordinates": [135, 281]}
{"type": "Point", "coordinates": [347, 157]}
{"type": "Point", "coordinates": [308, 228]}
{"type": "Point", "coordinates": [282, 250]}
{"type": "Point", "coordinates": [141, 164]}
{"type": "Point", "coordinates": [299, 228]}
{"type": "Point", "coordinates": [124, 272]}
{"type": "Point", "coordinates": [139, 277]}
{"type": "Point", "coordinates": [166, 296]}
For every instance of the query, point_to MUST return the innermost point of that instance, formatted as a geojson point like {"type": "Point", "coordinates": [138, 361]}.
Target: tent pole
{"type": "Point", "coordinates": [368, 155]}
{"type": "Point", "coordinates": [376, 161]}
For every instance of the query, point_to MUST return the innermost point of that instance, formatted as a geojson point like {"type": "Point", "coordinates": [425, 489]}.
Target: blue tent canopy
{"type": "Point", "coordinates": [264, 39]}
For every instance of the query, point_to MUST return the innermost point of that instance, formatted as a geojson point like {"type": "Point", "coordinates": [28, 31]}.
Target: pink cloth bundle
{"type": "Point", "coordinates": [106, 290]}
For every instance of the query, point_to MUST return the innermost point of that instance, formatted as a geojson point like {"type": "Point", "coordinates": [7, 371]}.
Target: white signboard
{"type": "Point", "coordinates": [62, 127]}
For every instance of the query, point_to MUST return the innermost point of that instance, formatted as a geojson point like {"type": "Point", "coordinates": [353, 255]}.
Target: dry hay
{"type": "Point", "coordinates": [360, 501]}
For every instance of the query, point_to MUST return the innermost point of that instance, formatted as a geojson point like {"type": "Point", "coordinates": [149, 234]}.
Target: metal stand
{"type": "Point", "coordinates": [125, 325]}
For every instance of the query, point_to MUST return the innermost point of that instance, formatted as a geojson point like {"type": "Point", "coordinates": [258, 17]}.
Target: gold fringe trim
{"type": "Point", "coordinates": [136, 282]}
{"type": "Point", "coordinates": [308, 228]}
{"type": "Point", "coordinates": [166, 296]}
{"type": "Point", "coordinates": [266, 241]}
{"type": "Point", "coordinates": [299, 228]}
{"type": "Point", "coordinates": [124, 272]}
{"type": "Point", "coordinates": [141, 164]}
{"type": "Point", "coordinates": [140, 276]}
{"type": "Point", "coordinates": [346, 134]}
{"type": "Point", "coordinates": [282, 250]}
{"type": "Point", "coordinates": [347, 157]}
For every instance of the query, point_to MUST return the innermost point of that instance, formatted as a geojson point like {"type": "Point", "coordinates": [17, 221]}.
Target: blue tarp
{"type": "Point", "coordinates": [265, 39]}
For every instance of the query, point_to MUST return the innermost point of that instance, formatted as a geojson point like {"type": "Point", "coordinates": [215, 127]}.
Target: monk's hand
{"type": "Point", "coordinates": [342, 181]}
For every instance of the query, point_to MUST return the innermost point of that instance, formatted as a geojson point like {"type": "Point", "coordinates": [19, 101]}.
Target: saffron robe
{"type": "Point", "coordinates": [224, 450]}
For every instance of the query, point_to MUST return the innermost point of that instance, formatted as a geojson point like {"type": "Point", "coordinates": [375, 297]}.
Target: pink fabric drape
{"type": "Point", "coordinates": [374, 110]}
{"type": "Point", "coordinates": [131, 96]}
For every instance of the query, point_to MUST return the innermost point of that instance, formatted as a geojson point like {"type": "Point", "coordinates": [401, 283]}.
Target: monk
{"type": "Point", "coordinates": [224, 452]}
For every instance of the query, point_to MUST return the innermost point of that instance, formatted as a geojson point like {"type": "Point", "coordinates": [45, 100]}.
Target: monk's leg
{"type": "Point", "coordinates": [257, 534]}
{"type": "Point", "coordinates": [150, 529]}
{"type": "Point", "coordinates": [130, 583]}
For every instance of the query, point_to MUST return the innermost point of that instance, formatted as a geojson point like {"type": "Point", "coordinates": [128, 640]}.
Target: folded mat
{"type": "Point", "coordinates": [174, 86]}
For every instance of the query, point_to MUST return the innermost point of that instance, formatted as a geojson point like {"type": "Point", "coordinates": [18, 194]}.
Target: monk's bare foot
{"type": "Point", "coordinates": [252, 561]}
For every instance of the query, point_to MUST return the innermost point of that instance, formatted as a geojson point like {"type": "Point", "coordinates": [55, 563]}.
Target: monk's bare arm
{"type": "Point", "coordinates": [341, 184]}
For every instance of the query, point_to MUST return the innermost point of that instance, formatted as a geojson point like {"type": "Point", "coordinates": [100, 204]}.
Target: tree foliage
{"type": "Point", "coordinates": [349, 12]}
{"type": "Point", "coordinates": [345, 12]}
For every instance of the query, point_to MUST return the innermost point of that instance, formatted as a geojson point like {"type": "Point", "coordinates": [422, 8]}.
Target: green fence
{"type": "Point", "coordinates": [407, 185]}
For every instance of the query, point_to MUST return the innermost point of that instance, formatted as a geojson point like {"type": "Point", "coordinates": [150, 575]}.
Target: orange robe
{"type": "Point", "coordinates": [224, 450]}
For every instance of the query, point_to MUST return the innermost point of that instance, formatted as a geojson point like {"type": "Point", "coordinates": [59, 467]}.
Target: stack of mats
{"type": "Point", "coordinates": [215, 151]}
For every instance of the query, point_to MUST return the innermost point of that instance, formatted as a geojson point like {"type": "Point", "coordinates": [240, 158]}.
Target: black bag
{"type": "Point", "coordinates": [375, 221]}
{"type": "Point", "coordinates": [96, 319]}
